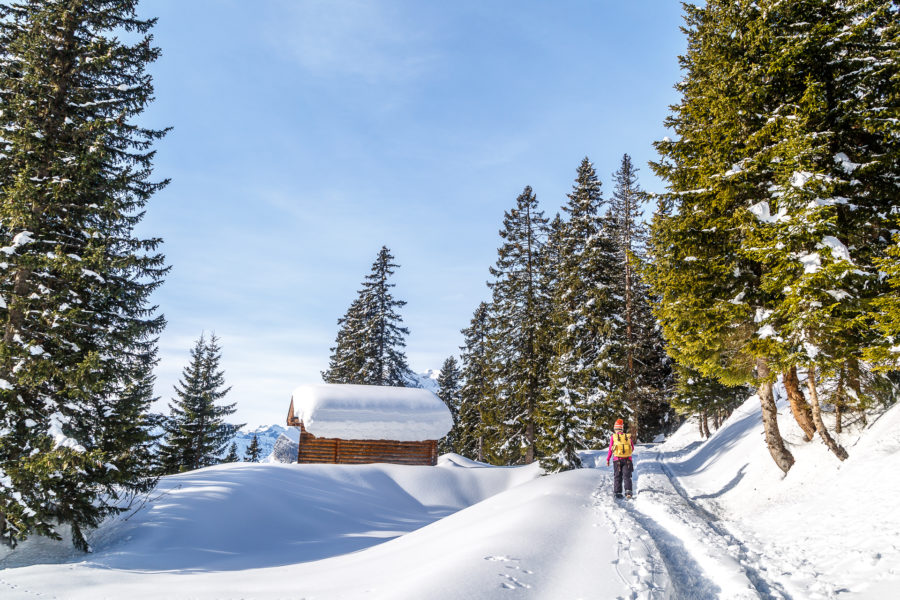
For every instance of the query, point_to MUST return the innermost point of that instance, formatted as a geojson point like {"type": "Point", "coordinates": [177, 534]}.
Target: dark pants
{"type": "Point", "coordinates": [622, 469]}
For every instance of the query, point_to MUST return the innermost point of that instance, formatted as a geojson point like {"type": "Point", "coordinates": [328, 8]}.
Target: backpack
{"type": "Point", "coordinates": [622, 445]}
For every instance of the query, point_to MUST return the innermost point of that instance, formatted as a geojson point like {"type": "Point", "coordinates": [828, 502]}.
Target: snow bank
{"type": "Point", "coordinates": [368, 412]}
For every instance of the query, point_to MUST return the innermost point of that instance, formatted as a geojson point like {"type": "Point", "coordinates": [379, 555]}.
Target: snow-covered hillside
{"type": "Point", "coordinates": [713, 519]}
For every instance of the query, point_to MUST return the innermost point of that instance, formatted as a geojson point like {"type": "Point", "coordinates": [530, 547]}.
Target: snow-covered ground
{"type": "Point", "coordinates": [713, 519]}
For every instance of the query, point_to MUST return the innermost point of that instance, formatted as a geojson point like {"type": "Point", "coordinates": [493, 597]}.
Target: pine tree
{"type": "Point", "coordinates": [477, 428]}
{"type": "Point", "coordinates": [196, 433]}
{"type": "Point", "coordinates": [449, 392]}
{"type": "Point", "coordinates": [519, 311]}
{"type": "Point", "coordinates": [232, 456]}
{"type": "Point", "coordinates": [253, 450]}
{"type": "Point", "coordinates": [78, 332]}
{"type": "Point", "coordinates": [370, 343]}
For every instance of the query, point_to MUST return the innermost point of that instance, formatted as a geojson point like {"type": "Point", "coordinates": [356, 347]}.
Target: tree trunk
{"type": "Point", "coordinates": [799, 405]}
{"type": "Point", "coordinates": [836, 448]}
{"type": "Point", "coordinates": [853, 383]}
{"type": "Point", "coordinates": [704, 424]}
{"type": "Point", "coordinates": [781, 455]}
{"type": "Point", "coordinates": [839, 396]}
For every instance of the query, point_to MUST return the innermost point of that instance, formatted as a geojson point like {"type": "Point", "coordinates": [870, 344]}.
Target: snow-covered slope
{"type": "Point", "coordinates": [826, 529]}
{"type": "Point", "coordinates": [458, 530]}
{"type": "Point", "coordinates": [713, 519]}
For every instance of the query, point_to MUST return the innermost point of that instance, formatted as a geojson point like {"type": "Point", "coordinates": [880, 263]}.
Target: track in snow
{"type": "Point", "coordinates": [702, 559]}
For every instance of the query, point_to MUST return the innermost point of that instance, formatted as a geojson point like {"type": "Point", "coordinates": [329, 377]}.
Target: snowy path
{"type": "Point", "coordinates": [702, 559]}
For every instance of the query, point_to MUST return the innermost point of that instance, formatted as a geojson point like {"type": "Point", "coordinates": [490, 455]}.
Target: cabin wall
{"type": "Point", "coordinates": [314, 449]}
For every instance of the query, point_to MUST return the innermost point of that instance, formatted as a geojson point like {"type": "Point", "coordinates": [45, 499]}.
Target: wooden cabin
{"type": "Point", "coordinates": [358, 424]}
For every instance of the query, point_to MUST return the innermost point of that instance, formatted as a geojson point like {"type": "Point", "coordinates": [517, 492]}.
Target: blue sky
{"type": "Point", "coordinates": [309, 133]}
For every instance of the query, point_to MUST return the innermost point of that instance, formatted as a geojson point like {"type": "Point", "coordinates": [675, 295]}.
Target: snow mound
{"type": "Point", "coordinates": [368, 412]}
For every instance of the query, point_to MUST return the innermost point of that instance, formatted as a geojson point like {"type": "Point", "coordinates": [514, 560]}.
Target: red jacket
{"type": "Point", "coordinates": [612, 439]}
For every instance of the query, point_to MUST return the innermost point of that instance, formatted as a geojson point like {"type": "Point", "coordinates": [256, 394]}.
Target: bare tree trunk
{"type": "Point", "coordinates": [799, 405]}
{"type": "Point", "coordinates": [704, 424]}
{"type": "Point", "coordinates": [817, 416]}
{"type": "Point", "coordinates": [781, 455]}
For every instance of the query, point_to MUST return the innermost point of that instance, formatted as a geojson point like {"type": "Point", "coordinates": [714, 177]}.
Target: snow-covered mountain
{"type": "Point", "coordinates": [427, 380]}
{"type": "Point", "coordinates": [266, 434]}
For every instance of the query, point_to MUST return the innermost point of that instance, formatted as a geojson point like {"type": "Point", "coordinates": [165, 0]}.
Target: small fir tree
{"type": "Point", "coordinates": [232, 456]}
{"type": "Point", "coordinates": [253, 450]}
{"type": "Point", "coordinates": [449, 392]}
{"type": "Point", "coordinates": [196, 432]}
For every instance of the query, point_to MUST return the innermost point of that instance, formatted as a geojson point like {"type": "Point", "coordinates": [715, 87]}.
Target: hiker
{"type": "Point", "coordinates": [620, 448]}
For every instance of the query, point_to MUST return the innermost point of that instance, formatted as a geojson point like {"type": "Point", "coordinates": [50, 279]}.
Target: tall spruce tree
{"type": "Point", "coordinates": [644, 371]}
{"type": "Point", "coordinates": [477, 427]}
{"type": "Point", "coordinates": [78, 332]}
{"type": "Point", "coordinates": [519, 311]}
{"type": "Point", "coordinates": [449, 391]}
{"type": "Point", "coordinates": [370, 343]}
{"type": "Point", "coordinates": [576, 403]}
{"type": "Point", "coordinates": [196, 432]}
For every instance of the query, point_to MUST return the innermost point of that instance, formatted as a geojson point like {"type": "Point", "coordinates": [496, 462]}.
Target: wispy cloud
{"type": "Point", "coordinates": [374, 42]}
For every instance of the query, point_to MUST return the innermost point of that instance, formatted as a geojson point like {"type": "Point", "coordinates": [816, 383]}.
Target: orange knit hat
{"type": "Point", "coordinates": [620, 424]}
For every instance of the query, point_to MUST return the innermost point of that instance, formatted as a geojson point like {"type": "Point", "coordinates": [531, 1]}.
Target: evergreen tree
{"type": "Point", "coordinates": [449, 392]}
{"type": "Point", "coordinates": [477, 428]}
{"type": "Point", "coordinates": [196, 433]}
{"type": "Point", "coordinates": [347, 362]}
{"type": "Point", "coordinates": [576, 402]}
{"type": "Point", "coordinates": [78, 332]}
{"type": "Point", "coordinates": [519, 311]}
{"type": "Point", "coordinates": [232, 456]}
{"type": "Point", "coordinates": [644, 369]}
{"type": "Point", "coordinates": [782, 123]}
{"type": "Point", "coordinates": [253, 451]}
{"type": "Point", "coordinates": [710, 297]}
{"type": "Point", "coordinates": [370, 343]}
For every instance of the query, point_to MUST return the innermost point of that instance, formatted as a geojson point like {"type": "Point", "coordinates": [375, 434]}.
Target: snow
{"type": "Point", "coordinates": [846, 164]}
{"type": "Point", "coordinates": [713, 519]}
{"type": "Point", "coordinates": [811, 262]}
{"type": "Point", "coordinates": [766, 331]}
{"type": "Point", "coordinates": [367, 412]}
{"type": "Point", "coordinates": [762, 213]}
{"type": "Point", "coordinates": [838, 250]}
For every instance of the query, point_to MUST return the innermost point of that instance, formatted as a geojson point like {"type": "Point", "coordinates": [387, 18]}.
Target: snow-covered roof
{"type": "Point", "coordinates": [369, 412]}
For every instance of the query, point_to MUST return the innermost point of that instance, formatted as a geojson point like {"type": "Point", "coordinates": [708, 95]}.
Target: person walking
{"type": "Point", "coordinates": [621, 446]}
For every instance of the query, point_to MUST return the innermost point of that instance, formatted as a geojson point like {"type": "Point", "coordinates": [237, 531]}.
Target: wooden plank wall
{"type": "Point", "coordinates": [314, 449]}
